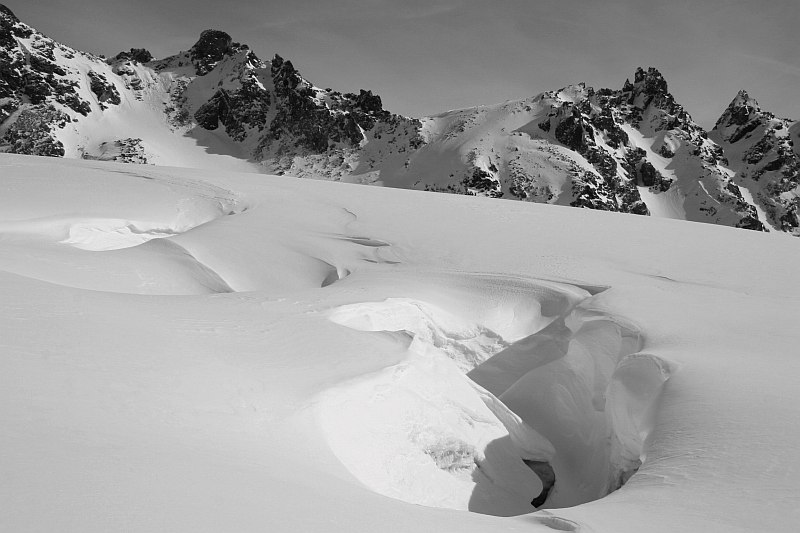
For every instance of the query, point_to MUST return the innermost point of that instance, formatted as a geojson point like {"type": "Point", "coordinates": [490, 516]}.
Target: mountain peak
{"type": "Point", "coordinates": [742, 99]}
{"type": "Point", "coordinates": [742, 109]}
{"type": "Point", "coordinates": [7, 13]}
{"type": "Point", "coordinates": [650, 81]}
{"type": "Point", "coordinates": [212, 47]}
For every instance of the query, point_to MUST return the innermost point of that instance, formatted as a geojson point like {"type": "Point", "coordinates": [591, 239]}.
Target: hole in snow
{"type": "Point", "coordinates": [482, 417]}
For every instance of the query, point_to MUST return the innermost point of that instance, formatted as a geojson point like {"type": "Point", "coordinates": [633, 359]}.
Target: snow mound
{"type": "Point", "coordinates": [75, 236]}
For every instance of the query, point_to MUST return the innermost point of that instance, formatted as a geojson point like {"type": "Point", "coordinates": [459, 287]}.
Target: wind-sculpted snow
{"type": "Point", "coordinates": [551, 390]}
{"type": "Point", "coordinates": [189, 350]}
{"type": "Point", "coordinates": [70, 243]}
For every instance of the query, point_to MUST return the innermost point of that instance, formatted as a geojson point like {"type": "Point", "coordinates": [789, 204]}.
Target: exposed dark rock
{"type": "Point", "coordinates": [759, 150]}
{"type": "Point", "coordinates": [648, 174]}
{"type": "Point", "coordinates": [481, 181]}
{"type": "Point", "coordinates": [570, 131]}
{"type": "Point", "coordinates": [32, 132]}
{"type": "Point", "coordinates": [744, 130]}
{"type": "Point", "coordinates": [740, 112]}
{"type": "Point", "coordinates": [208, 116]}
{"type": "Point", "coordinates": [790, 220]}
{"type": "Point", "coordinates": [122, 151]}
{"type": "Point", "coordinates": [740, 116]}
{"type": "Point", "coordinates": [210, 49]}
{"type": "Point", "coordinates": [285, 76]}
{"type": "Point", "coordinates": [666, 152]}
{"type": "Point", "coordinates": [45, 66]}
{"type": "Point", "coordinates": [615, 136]}
{"type": "Point", "coordinates": [10, 26]}
{"type": "Point", "coordinates": [368, 102]}
{"type": "Point", "coordinates": [8, 14]}
{"type": "Point", "coordinates": [246, 107]}
{"type": "Point", "coordinates": [591, 193]}
{"type": "Point", "coordinates": [627, 86]}
{"type": "Point", "coordinates": [631, 201]}
{"type": "Point", "coordinates": [35, 75]}
{"type": "Point", "coordinates": [751, 222]}
{"type": "Point", "coordinates": [139, 55]}
{"type": "Point", "coordinates": [316, 128]}
{"type": "Point", "coordinates": [105, 91]}
{"type": "Point", "coordinates": [651, 81]}
{"type": "Point", "coordinates": [6, 34]}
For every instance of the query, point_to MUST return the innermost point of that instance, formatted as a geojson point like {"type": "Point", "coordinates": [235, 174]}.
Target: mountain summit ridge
{"type": "Point", "coordinates": [633, 150]}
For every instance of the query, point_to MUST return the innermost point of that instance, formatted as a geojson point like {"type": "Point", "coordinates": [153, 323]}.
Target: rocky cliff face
{"type": "Point", "coordinates": [35, 89]}
{"type": "Point", "coordinates": [633, 149]}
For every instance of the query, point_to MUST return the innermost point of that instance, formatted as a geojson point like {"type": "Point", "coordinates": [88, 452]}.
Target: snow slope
{"type": "Point", "coordinates": [185, 350]}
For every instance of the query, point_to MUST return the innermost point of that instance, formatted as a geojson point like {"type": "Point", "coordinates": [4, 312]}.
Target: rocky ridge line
{"type": "Point", "coordinates": [616, 150]}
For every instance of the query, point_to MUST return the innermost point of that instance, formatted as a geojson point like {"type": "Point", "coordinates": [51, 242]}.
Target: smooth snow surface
{"type": "Point", "coordinates": [186, 350]}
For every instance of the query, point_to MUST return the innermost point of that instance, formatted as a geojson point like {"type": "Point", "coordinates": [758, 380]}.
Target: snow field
{"type": "Point", "coordinates": [323, 368]}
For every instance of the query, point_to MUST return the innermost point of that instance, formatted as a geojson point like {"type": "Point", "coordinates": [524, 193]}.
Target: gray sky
{"type": "Point", "coordinates": [428, 56]}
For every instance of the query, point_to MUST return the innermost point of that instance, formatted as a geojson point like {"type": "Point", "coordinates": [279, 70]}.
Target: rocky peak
{"type": "Point", "coordinates": [139, 55]}
{"type": "Point", "coordinates": [368, 102]}
{"type": "Point", "coordinates": [210, 49]}
{"type": "Point", "coordinates": [742, 109]}
{"type": "Point", "coordinates": [649, 82]}
{"type": "Point", "coordinates": [285, 76]}
{"type": "Point", "coordinates": [743, 99]}
{"type": "Point", "coordinates": [648, 99]}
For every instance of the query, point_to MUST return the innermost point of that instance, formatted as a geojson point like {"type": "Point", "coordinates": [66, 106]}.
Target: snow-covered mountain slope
{"type": "Point", "coordinates": [58, 101]}
{"type": "Point", "coordinates": [764, 150]}
{"type": "Point", "coordinates": [214, 106]}
{"type": "Point", "coordinates": [217, 105]}
{"type": "Point", "coordinates": [633, 150]}
{"type": "Point", "coordinates": [190, 350]}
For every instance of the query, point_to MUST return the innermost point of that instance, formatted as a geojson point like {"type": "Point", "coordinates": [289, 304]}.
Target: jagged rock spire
{"type": "Point", "coordinates": [650, 81]}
